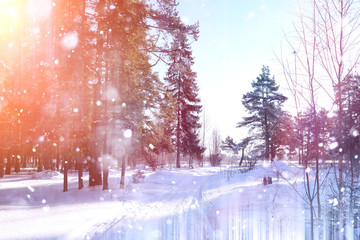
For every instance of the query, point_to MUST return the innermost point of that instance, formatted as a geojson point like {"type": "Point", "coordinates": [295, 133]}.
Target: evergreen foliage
{"type": "Point", "coordinates": [264, 105]}
{"type": "Point", "coordinates": [182, 86]}
{"type": "Point", "coordinates": [87, 77]}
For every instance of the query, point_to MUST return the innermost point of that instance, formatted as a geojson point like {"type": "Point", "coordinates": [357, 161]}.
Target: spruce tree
{"type": "Point", "coordinates": [182, 85]}
{"type": "Point", "coordinates": [263, 104]}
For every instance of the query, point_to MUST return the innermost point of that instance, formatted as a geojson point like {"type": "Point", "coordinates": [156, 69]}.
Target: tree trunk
{"type": "Point", "coordinates": [1, 167]}
{"type": "Point", "coordinates": [17, 164]}
{"type": "Point", "coordinates": [242, 156]}
{"type": "Point", "coordinates": [65, 176]}
{"type": "Point", "coordinates": [267, 139]}
{"type": "Point", "coordinates": [311, 205]}
{"type": "Point", "coordinates": [58, 155]}
{"type": "Point", "coordinates": [178, 130]}
{"type": "Point", "coordinates": [80, 171]}
{"type": "Point", "coordinates": [8, 166]}
{"type": "Point", "coordinates": [123, 165]}
{"type": "Point", "coordinates": [105, 177]}
{"type": "Point", "coordinates": [311, 220]}
{"type": "Point", "coordinates": [40, 161]}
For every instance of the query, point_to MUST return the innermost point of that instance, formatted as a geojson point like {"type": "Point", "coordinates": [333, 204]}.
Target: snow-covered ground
{"type": "Point", "coordinates": [200, 203]}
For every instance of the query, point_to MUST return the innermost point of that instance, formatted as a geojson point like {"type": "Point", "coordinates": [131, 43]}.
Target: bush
{"type": "Point", "coordinates": [138, 176]}
{"type": "Point", "coordinates": [215, 159]}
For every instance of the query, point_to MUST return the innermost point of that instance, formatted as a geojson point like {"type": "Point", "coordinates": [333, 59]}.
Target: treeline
{"type": "Point", "coordinates": [308, 137]}
{"type": "Point", "coordinates": [80, 86]}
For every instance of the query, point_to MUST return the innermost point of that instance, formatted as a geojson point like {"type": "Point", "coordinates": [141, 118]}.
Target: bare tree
{"type": "Point", "coordinates": [327, 47]}
{"type": "Point", "coordinates": [215, 149]}
{"type": "Point", "coordinates": [339, 52]}
{"type": "Point", "coordinates": [204, 131]}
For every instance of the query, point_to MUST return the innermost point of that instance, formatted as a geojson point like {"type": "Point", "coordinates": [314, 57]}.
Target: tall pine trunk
{"type": "Point", "coordinates": [178, 141]}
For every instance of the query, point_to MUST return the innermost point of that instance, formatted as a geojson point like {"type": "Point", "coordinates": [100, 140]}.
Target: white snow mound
{"type": "Point", "coordinates": [273, 169]}
{"type": "Point", "coordinates": [47, 175]}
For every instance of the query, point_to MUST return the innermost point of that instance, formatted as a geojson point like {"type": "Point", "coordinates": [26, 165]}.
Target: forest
{"type": "Point", "coordinates": [82, 89]}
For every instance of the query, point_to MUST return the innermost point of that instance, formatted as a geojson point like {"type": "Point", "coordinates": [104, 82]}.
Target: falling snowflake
{"type": "Point", "coordinates": [354, 132]}
{"type": "Point", "coordinates": [70, 41]}
{"type": "Point", "coordinates": [128, 133]}
{"type": "Point", "coordinates": [334, 145]}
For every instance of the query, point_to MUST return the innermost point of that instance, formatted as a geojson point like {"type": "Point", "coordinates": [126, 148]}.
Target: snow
{"type": "Point", "coordinates": [199, 203]}
{"type": "Point", "coordinates": [47, 175]}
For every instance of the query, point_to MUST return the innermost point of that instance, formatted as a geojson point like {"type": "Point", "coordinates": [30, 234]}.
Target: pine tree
{"type": "Point", "coordinates": [283, 137]}
{"type": "Point", "coordinates": [165, 124]}
{"type": "Point", "coordinates": [181, 83]}
{"type": "Point", "coordinates": [263, 104]}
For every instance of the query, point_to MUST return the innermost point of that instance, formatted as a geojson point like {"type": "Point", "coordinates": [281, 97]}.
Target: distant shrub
{"type": "Point", "coordinates": [138, 176]}
{"type": "Point", "coordinates": [215, 159]}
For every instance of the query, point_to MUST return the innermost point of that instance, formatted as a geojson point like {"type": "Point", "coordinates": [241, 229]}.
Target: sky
{"type": "Point", "coordinates": [237, 37]}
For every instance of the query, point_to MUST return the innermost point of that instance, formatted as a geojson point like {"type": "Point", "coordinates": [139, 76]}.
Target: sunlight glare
{"type": "Point", "coordinates": [9, 15]}
{"type": "Point", "coordinates": [39, 9]}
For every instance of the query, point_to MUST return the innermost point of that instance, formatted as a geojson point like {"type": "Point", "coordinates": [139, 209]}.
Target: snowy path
{"type": "Point", "coordinates": [217, 208]}
{"type": "Point", "coordinates": [198, 203]}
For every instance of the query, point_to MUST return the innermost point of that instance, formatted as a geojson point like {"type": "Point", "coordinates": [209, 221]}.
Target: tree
{"type": "Point", "coordinates": [326, 39]}
{"type": "Point", "coordinates": [165, 123]}
{"type": "Point", "coordinates": [337, 48]}
{"type": "Point", "coordinates": [231, 146]}
{"type": "Point", "coordinates": [181, 84]}
{"type": "Point", "coordinates": [94, 74]}
{"type": "Point", "coordinates": [71, 48]}
{"type": "Point", "coordinates": [263, 104]}
{"type": "Point", "coordinates": [284, 137]}
{"type": "Point", "coordinates": [215, 148]}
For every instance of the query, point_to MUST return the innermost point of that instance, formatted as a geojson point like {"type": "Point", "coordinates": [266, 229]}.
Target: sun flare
{"type": "Point", "coordinates": [10, 15]}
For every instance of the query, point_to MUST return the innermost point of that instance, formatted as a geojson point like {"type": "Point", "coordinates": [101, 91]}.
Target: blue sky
{"type": "Point", "coordinates": [237, 37]}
